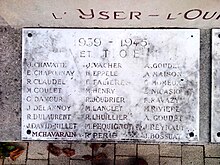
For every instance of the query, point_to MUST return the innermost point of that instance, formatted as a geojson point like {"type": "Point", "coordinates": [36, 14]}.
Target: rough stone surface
{"type": "Point", "coordinates": [192, 155]}
{"type": "Point", "coordinates": [37, 162]}
{"type": "Point", "coordinates": [80, 150]}
{"type": "Point", "coordinates": [3, 22]}
{"type": "Point", "coordinates": [80, 162]}
{"type": "Point", "coordinates": [212, 150]}
{"type": "Point", "coordinates": [170, 150]}
{"type": "Point", "coordinates": [10, 84]}
{"type": "Point", "coordinates": [60, 146]}
{"type": "Point", "coordinates": [122, 160]}
{"type": "Point", "coordinates": [150, 153]}
{"type": "Point", "coordinates": [123, 149]}
{"type": "Point", "coordinates": [61, 160]}
{"type": "Point", "coordinates": [37, 150]}
{"type": "Point", "coordinates": [205, 85]}
{"type": "Point", "coordinates": [170, 161]}
{"type": "Point", "coordinates": [109, 150]}
{"type": "Point", "coordinates": [212, 161]}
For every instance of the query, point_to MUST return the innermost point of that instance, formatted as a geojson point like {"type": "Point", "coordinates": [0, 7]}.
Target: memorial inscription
{"type": "Point", "coordinates": [215, 126]}
{"type": "Point", "coordinates": [110, 84]}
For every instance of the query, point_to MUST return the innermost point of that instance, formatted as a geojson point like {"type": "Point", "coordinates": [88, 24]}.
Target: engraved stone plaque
{"type": "Point", "coordinates": [215, 126]}
{"type": "Point", "coordinates": [110, 84]}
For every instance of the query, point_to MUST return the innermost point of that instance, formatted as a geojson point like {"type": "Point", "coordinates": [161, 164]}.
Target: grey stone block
{"type": "Point", "coordinates": [80, 150]}
{"type": "Point", "coordinates": [150, 153]}
{"type": "Point", "coordinates": [61, 160]}
{"type": "Point", "coordinates": [122, 160]}
{"type": "Point", "coordinates": [126, 149]}
{"type": "Point", "coordinates": [192, 155]}
{"type": "Point", "coordinates": [37, 162]}
{"type": "Point", "coordinates": [212, 161]}
{"type": "Point", "coordinates": [212, 150]}
{"type": "Point", "coordinates": [80, 162]}
{"type": "Point", "coordinates": [108, 150]}
{"type": "Point", "coordinates": [10, 84]}
{"type": "Point", "coordinates": [170, 150]}
{"type": "Point", "coordinates": [205, 85]}
{"type": "Point", "coordinates": [170, 161]}
{"type": "Point", "coordinates": [37, 150]}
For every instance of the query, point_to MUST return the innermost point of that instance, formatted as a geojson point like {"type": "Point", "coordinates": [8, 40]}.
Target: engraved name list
{"type": "Point", "coordinates": [110, 84]}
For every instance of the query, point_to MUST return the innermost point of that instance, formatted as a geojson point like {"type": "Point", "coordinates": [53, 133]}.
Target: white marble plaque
{"type": "Point", "coordinates": [110, 84]}
{"type": "Point", "coordinates": [215, 126]}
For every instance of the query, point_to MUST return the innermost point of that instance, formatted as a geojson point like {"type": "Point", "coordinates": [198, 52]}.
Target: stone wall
{"type": "Point", "coordinates": [10, 84]}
